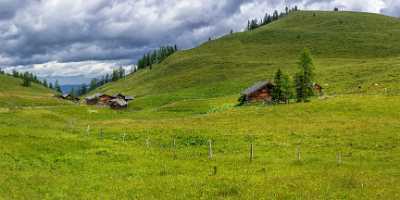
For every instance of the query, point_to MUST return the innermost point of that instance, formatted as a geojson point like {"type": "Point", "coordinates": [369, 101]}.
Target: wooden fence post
{"type": "Point", "coordinates": [298, 152]}
{"type": "Point", "coordinates": [251, 154]}
{"type": "Point", "coordinates": [88, 130]}
{"type": "Point", "coordinates": [174, 148]}
{"type": "Point", "coordinates": [124, 137]}
{"type": "Point", "coordinates": [339, 158]}
{"type": "Point", "coordinates": [215, 170]}
{"type": "Point", "coordinates": [147, 142]}
{"type": "Point", "coordinates": [210, 152]}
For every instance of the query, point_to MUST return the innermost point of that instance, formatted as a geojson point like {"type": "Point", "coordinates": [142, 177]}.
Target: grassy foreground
{"type": "Point", "coordinates": [51, 154]}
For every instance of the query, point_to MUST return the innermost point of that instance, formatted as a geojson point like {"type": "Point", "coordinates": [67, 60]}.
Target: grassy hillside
{"type": "Point", "coordinates": [13, 94]}
{"type": "Point", "coordinates": [350, 50]}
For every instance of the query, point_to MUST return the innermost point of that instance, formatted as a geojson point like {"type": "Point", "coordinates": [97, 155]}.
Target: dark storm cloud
{"type": "Point", "coordinates": [109, 31]}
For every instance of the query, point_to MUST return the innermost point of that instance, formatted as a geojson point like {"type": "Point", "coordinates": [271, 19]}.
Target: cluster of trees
{"type": "Point", "coordinates": [255, 23]}
{"type": "Point", "coordinates": [303, 84]}
{"type": "Point", "coordinates": [155, 57]}
{"type": "Point", "coordinates": [116, 75]}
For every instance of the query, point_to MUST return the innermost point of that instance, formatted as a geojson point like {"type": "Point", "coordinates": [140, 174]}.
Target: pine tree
{"type": "Point", "coordinates": [305, 77]}
{"type": "Point", "coordinates": [83, 90]}
{"type": "Point", "coordinates": [93, 84]}
{"type": "Point", "coordinates": [45, 83]}
{"type": "Point", "coordinates": [72, 92]}
{"type": "Point", "coordinates": [26, 80]}
{"type": "Point", "coordinates": [57, 87]}
{"type": "Point", "coordinates": [281, 92]}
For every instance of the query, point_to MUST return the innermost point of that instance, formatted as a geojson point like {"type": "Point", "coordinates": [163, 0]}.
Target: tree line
{"type": "Point", "coordinates": [267, 19]}
{"type": "Point", "coordinates": [28, 78]}
{"type": "Point", "coordinates": [156, 57]}
{"type": "Point", "coordinates": [116, 75]}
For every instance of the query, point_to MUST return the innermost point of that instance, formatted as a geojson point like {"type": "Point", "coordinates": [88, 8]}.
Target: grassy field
{"type": "Point", "coordinates": [51, 154]}
{"type": "Point", "coordinates": [348, 141]}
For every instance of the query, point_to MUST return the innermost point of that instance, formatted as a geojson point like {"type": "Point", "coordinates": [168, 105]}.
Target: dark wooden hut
{"type": "Point", "coordinates": [259, 92]}
{"type": "Point", "coordinates": [98, 98]}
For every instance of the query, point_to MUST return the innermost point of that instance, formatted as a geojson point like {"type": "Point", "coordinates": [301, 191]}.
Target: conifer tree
{"type": "Point", "coordinates": [26, 80]}
{"type": "Point", "coordinates": [57, 87]}
{"type": "Point", "coordinates": [281, 92]}
{"type": "Point", "coordinates": [305, 77]}
{"type": "Point", "coordinates": [93, 84]}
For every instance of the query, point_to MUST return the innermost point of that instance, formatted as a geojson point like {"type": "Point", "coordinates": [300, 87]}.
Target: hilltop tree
{"type": "Point", "coordinates": [281, 92]}
{"type": "Point", "coordinates": [26, 80]}
{"type": "Point", "coordinates": [305, 77]}
{"type": "Point", "coordinates": [44, 83]}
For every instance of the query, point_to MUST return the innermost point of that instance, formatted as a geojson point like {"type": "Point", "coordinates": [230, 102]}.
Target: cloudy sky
{"type": "Point", "coordinates": [75, 40]}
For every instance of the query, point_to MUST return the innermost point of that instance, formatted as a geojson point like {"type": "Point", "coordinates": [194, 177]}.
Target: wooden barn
{"type": "Point", "coordinates": [259, 92]}
{"type": "Point", "coordinates": [98, 98]}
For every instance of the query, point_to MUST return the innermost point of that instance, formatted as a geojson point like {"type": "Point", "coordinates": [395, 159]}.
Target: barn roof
{"type": "Point", "coordinates": [129, 98]}
{"type": "Point", "coordinates": [65, 95]}
{"type": "Point", "coordinates": [126, 98]}
{"type": "Point", "coordinates": [119, 102]}
{"type": "Point", "coordinates": [95, 96]}
{"type": "Point", "coordinates": [255, 87]}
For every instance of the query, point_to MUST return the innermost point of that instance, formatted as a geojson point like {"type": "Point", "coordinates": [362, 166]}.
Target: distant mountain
{"type": "Point", "coordinates": [68, 88]}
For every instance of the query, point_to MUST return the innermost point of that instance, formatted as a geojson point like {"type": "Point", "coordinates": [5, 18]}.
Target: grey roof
{"type": "Point", "coordinates": [95, 96]}
{"type": "Point", "coordinates": [119, 102]}
{"type": "Point", "coordinates": [65, 95]}
{"type": "Point", "coordinates": [255, 87]}
{"type": "Point", "coordinates": [126, 98]}
{"type": "Point", "coordinates": [129, 98]}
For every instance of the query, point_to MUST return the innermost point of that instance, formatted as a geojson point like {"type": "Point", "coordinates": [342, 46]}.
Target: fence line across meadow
{"type": "Point", "coordinates": [216, 147]}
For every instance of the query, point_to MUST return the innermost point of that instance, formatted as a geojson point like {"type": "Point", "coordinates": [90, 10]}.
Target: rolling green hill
{"type": "Point", "coordinates": [353, 52]}
{"type": "Point", "coordinates": [13, 94]}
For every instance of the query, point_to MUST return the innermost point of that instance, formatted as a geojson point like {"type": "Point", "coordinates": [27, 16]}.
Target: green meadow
{"type": "Point", "coordinates": [344, 145]}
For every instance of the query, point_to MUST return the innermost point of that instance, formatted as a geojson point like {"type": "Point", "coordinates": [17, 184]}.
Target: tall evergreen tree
{"type": "Point", "coordinates": [305, 77]}
{"type": "Point", "coordinates": [93, 84]}
{"type": "Point", "coordinates": [26, 80]}
{"type": "Point", "coordinates": [57, 87]}
{"type": "Point", "coordinates": [282, 90]}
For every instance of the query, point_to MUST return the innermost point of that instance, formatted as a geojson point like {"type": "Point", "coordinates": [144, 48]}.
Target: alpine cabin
{"type": "Point", "coordinates": [259, 92]}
